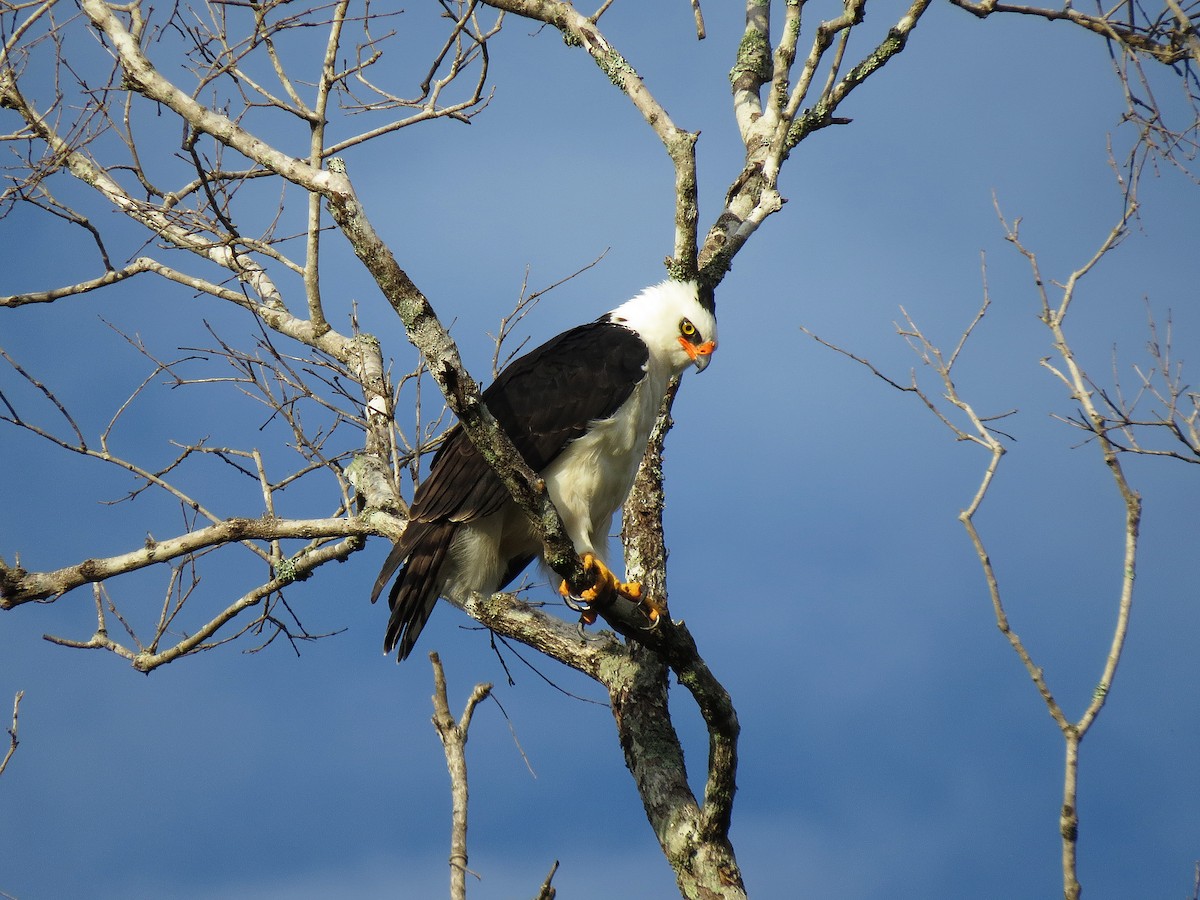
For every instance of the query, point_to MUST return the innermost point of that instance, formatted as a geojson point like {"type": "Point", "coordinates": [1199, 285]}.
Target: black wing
{"type": "Point", "coordinates": [543, 401]}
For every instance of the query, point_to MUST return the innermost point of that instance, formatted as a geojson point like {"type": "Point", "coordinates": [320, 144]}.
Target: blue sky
{"type": "Point", "coordinates": [891, 743]}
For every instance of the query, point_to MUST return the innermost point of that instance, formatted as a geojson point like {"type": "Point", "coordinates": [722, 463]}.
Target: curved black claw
{"type": "Point", "coordinates": [654, 621]}
{"type": "Point", "coordinates": [577, 605]}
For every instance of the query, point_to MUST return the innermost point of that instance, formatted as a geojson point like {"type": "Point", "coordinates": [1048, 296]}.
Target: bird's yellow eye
{"type": "Point", "coordinates": [686, 328]}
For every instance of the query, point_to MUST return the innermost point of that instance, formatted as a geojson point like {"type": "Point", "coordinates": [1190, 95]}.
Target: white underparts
{"type": "Point", "coordinates": [588, 482]}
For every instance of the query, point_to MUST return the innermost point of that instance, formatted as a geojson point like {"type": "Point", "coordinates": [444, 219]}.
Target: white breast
{"type": "Point", "coordinates": [591, 478]}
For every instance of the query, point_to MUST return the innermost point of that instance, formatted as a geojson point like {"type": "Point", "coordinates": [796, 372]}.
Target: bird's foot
{"type": "Point", "coordinates": [605, 586]}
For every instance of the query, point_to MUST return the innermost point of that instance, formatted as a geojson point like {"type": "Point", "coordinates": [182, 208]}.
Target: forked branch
{"type": "Point", "coordinates": [453, 735]}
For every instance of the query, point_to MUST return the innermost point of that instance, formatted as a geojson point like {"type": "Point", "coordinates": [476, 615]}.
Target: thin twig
{"type": "Point", "coordinates": [13, 741]}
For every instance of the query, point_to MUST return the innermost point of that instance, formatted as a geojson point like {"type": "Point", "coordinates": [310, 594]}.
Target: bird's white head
{"type": "Point", "coordinates": [676, 319]}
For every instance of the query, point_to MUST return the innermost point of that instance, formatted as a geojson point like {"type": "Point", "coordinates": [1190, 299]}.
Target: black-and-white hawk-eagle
{"type": "Point", "coordinates": [579, 408]}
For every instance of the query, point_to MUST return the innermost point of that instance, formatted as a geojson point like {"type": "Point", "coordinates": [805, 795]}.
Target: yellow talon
{"type": "Point", "coordinates": [605, 584]}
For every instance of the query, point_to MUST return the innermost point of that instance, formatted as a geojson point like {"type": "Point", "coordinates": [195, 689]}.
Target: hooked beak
{"type": "Point", "coordinates": [700, 354]}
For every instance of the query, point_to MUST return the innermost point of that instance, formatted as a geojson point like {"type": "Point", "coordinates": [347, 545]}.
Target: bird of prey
{"type": "Point", "coordinates": [579, 409]}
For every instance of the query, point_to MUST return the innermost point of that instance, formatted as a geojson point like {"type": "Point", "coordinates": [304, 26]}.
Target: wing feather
{"type": "Point", "coordinates": [416, 590]}
{"type": "Point", "coordinates": [543, 401]}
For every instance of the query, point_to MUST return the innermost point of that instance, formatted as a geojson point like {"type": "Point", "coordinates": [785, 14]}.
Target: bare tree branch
{"type": "Point", "coordinates": [771, 130]}
{"type": "Point", "coordinates": [1175, 412]}
{"type": "Point", "coordinates": [547, 892]}
{"type": "Point", "coordinates": [14, 742]}
{"type": "Point", "coordinates": [453, 736]}
{"type": "Point", "coordinates": [18, 586]}
{"type": "Point", "coordinates": [1080, 386]}
{"type": "Point", "coordinates": [1168, 39]}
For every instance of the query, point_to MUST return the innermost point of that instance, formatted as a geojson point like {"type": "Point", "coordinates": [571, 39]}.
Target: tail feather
{"type": "Point", "coordinates": [390, 565]}
{"type": "Point", "coordinates": [415, 593]}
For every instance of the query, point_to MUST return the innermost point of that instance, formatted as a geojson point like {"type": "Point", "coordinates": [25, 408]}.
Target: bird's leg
{"type": "Point", "coordinates": [604, 585]}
